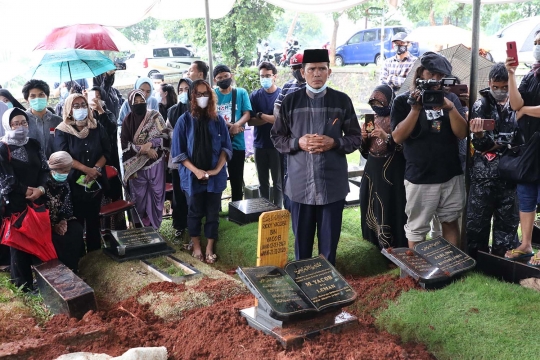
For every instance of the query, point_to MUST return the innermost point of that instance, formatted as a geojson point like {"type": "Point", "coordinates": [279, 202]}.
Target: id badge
{"type": "Point", "coordinates": [436, 126]}
{"type": "Point", "coordinates": [490, 156]}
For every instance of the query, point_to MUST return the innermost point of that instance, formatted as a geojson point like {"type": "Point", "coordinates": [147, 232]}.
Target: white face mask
{"type": "Point", "coordinates": [536, 52]}
{"type": "Point", "coordinates": [203, 102]}
{"type": "Point", "coordinates": [80, 114]}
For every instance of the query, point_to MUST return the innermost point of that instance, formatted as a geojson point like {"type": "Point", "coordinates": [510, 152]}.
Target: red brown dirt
{"type": "Point", "coordinates": [214, 332]}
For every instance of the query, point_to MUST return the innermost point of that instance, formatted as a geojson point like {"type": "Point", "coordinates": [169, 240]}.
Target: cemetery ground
{"type": "Point", "coordinates": [475, 317]}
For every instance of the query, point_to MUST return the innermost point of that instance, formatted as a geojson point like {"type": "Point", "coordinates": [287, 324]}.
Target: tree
{"type": "Point", "coordinates": [234, 37]}
{"type": "Point", "coordinates": [306, 28]}
{"type": "Point", "coordinates": [437, 12]}
{"type": "Point", "coordinates": [139, 32]}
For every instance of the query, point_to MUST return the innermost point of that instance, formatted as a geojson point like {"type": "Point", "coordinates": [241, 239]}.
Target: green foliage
{"type": "Point", "coordinates": [477, 317]}
{"type": "Point", "coordinates": [234, 36]}
{"type": "Point", "coordinates": [33, 302]}
{"type": "Point", "coordinates": [418, 11]}
{"type": "Point", "coordinates": [139, 32]}
{"type": "Point", "coordinates": [308, 30]}
{"type": "Point", "coordinates": [247, 78]}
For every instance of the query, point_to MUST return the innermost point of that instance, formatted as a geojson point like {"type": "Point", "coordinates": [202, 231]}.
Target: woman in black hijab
{"type": "Point", "coordinates": [9, 100]}
{"type": "Point", "coordinates": [382, 192]}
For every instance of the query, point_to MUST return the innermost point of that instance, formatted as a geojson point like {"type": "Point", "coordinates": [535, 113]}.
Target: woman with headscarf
{"type": "Point", "coordinates": [9, 100]}
{"type": "Point", "coordinates": [67, 88]}
{"type": "Point", "coordinates": [168, 99]}
{"type": "Point", "coordinates": [23, 175]}
{"type": "Point", "coordinates": [202, 146]}
{"type": "Point", "coordinates": [145, 140]}
{"type": "Point", "coordinates": [179, 205]}
{"type": "Point", "coordinates": [382, 192]}
{"type": "Point", "coordinates": [145, 85]}
{"type": "Point", "coordinates": [86, 141]}
{"type": "Point", "coordinates": [67, 232]}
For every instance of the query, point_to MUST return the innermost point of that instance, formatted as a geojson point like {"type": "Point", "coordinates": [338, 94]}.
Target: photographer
{"type": "Point", "coordinates": [434, 181]}
{"type": "Point", "coordinates": [489, 195]}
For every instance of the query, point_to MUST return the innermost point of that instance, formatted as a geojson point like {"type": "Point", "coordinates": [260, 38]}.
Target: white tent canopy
{"type": "Point", "coordinates": [315, 6]}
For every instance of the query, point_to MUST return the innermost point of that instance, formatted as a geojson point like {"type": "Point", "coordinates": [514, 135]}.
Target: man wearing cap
{"type": "Point", "coordinates": [235, 120]}
{"type": "Point", "coordinates": [298, 83]}
{"type": "Point", "coordinates": [316, 128]}
{"type": "Point", "coordinates": [396, 68]}
{"type": "Point", "coordinates": [434, 181]}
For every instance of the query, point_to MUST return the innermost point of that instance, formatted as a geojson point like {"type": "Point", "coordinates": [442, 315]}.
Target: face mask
{"type": "Point", "coordinates": [266, 83]}
{"type": "Point", "coordinates": [158, 97]}
{"type": "Point", "coordinates": [183, 98]}
{"type": "Point", "coordinates": [536, 52]}
{"type": "Point", "coordinates": [38, 104]}
{"type": "Point", "coordinates": [499, 95]}
{"type": "Point", "coordinates": [59, 177]}
{"type": "Point", "coordinates": [19, 133]}
{"type": "Point", "coordinates": [381, 110]}
{"type": "Point", "coordinates": [64, 92]}
{"type": "Point", "coordinates": [80, 114]}
{"type": "Point", "coordinates": [298, 76]}
{"type": "Point", "coordinates": [203, 102]}
{"type": "Point", "coordinates": [316, 91]}
{"type": "Point", "coordinates": [139, 109]}
{"type": "Point", "coordinates": [9, 104]}
{"type": "Point", "coordinates": [401, 49]}
{"type": "Point", "coordinates": [224, 84]}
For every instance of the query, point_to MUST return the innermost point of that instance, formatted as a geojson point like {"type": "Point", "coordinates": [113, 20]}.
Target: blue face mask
{"type": "Point", "coordinates": [9, 105]}
{"type": "Point", "coordinates": [38, 104]}
{"type": "Point", "coordinates": [316, 91]}
{"type": "Point", "coordinates": [59, 177]}
{"type": "Point", "coordinates": [266, 83]}
{"type": "Point", "coordinates": [183, 98]}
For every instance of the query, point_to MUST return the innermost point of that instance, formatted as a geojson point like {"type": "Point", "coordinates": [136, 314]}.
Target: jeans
{"type": "Point", "coordinates": [528, 196]}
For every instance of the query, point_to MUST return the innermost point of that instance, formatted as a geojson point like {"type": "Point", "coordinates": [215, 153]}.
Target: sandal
{"type": "Point", "coordinates": [198, 256]}
{"type": "Point", "coordinates": [520, 255]}
{"type": "Point", "coordinates": [210, 259]}
{"type": "Point", "coordinates": [188, 246]}
{"type": "Point", "coordinates": [534, 258]}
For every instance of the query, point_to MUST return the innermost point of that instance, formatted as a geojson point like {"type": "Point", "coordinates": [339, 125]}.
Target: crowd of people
{"type": "Point", "coordinates": [192, 136]}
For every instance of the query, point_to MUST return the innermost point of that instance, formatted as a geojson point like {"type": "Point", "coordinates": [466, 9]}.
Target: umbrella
{"type": "Point", "coordinates": [460, 58]}
{"type": "Point", "coordinates": [64, 65]}
{"type": "Point", "coordinates": [85, 36]}
{"type": "Point", "coordinates": [444, 35]}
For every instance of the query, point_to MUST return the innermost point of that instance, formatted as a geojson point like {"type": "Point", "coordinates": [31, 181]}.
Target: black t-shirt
{"type": "Point", "coordinates": [530, 92]}
{"type": "Point", "coordinates": [431, 151]}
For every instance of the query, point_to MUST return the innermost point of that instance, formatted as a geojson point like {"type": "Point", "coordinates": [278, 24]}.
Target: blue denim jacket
{"type": "Point", "coordinates": [182, 149]}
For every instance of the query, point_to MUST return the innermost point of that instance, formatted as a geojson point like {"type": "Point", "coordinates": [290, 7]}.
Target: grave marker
{"type": "Point", "coordinates": [247, 211]}
{"type": "Point", "coordinates": [273, 241]}
{"type": "Point", "coordinates": [135, 244]}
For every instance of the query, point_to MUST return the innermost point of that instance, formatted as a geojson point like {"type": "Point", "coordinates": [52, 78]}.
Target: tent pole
{"type": "Point", "coordinates": [209, 43]}
{"type": "Point", "coordinates": [473, 91]}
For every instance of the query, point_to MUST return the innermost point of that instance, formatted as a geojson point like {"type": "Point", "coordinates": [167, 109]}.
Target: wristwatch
{"type": "Point", "coordinates": [259, 115]}
{"type": "Point", "coordinates": [98, 169]}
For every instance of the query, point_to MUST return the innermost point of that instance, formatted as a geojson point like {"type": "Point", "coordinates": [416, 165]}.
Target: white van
{"type": "Point", "coordinates": [166, 59]}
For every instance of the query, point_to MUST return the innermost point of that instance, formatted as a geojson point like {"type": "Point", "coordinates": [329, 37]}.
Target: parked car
{"type": "Point", "coordinates": [164, 59]}
{"type": "Point", "coordinates": [522, 32]}
{"type": "Point", "coordinates": [364, 47]}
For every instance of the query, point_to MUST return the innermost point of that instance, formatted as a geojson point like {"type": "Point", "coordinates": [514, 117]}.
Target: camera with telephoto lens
{"type": "Point", "coordinates": [433, 98]}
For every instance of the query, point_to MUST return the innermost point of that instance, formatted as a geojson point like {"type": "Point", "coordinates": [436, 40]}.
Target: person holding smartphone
{"type": "Point", "coordinates": [382, 192]}
{"type": "Point", "coordinates": [491, 197]}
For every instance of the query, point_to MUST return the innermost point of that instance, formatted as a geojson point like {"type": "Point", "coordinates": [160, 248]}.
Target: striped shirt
{"type": "Point", "coordinates": [289, 87]}
{"type": "Point", "coordinates": [395, 71]}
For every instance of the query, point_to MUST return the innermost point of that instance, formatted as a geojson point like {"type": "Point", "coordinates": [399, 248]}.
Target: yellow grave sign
{"type": "Point", "coordinates": [273, 238]}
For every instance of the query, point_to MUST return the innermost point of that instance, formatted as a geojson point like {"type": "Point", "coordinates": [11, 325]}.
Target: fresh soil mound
{"type": "Point", "coordinates": [213, 332]}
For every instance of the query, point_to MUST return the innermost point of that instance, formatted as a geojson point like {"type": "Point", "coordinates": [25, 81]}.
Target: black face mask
{"type": "Point", "coordinates": [402, 49]}
{"type": "Point", "coordinates": [381, 110]}
{"type": "Point", "coordinates": [224, 84]}
{"type": "Point", "coordinates": [139, 109]}
{"type": "Point", "coordinates": [298, 76]}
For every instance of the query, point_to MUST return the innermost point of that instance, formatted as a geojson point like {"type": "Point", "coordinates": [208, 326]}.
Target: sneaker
{"type": "Point", "coordinates": [179, 233]}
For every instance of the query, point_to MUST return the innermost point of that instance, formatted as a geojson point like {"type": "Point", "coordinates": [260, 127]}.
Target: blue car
{"type": "Point", "coordinates": [364, 47]}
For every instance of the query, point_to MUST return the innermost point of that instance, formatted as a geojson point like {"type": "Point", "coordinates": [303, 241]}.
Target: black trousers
{"type": "Point", "coordinates": [87, 212]}
{"type": "Point", "coordinates": [70, 245]}
{"type": "Point", "coordinates": [179, 203]}
{"type": "Point", "coordinates": [205, 204]}
{"type": "Point", "coordinates": [236, 174]}
{"type": "Point", "coordinates": [326, 219]}
{"type": "Point", "coordinates": [21, 268]}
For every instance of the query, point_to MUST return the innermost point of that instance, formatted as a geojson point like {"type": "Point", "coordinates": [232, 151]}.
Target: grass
{"type": "Point", "coordinates": [477, 317]}
{"type": "Point", "coordinates": [162, 264]}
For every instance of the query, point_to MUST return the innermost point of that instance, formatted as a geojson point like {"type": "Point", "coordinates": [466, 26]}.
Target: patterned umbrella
{"type": "Point", "coordinates": [460, 58]}
{"type": "Point", "coordinates": [67, 65]}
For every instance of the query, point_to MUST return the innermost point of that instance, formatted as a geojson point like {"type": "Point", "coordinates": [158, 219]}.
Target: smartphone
{"type": "Point", "coordinates": [460, 89]}
{"type": "Point", "coordinates": [369, 120]}
{"type": "Point", "coordinates": [489, 124]}
{"type": "Point", "coordinates": [91, 96]}
{"type": "Point", "coordinates": [120, 66]}
{"type": "Point", "coordinates": [511, 51]}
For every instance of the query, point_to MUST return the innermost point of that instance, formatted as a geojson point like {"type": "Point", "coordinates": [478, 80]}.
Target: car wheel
{"type": "Point", "coordinates": [152, 72]}
{"type": "Point", "coordinates": [363, 64]}
{"type": "Point", "coordinates": [339, 61]}
{"type": "Point", "coordinates": [379, 60]}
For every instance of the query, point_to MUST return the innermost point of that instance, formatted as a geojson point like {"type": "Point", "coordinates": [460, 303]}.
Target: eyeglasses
{"type": "Point", "coordinates": [267, 76]}
{"type": "Point", "coordinates": [204, 94]}
{"type": "Point", "coordinates": [22, 123]}
{"type": "Point", "coordinates": [81, 106]}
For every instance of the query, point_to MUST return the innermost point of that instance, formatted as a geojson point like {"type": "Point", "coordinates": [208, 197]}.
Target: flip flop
{"type": "Point", "coordinates": [534, 258]}
{"type": "Point", "coordinates": [199, 257]}
{"type": "Point", "coordinates": [522, 255]}
{"type": "Point", "coordinates": [210, 259]}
